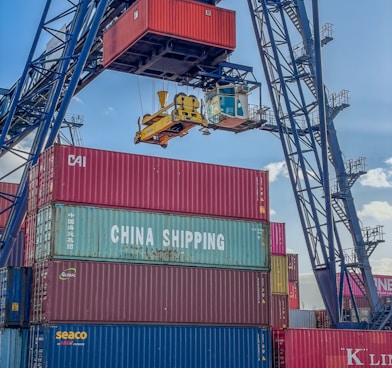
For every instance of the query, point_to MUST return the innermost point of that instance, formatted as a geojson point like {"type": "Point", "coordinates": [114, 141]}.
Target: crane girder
{"type": "Point", "coordinates": [40, 98]}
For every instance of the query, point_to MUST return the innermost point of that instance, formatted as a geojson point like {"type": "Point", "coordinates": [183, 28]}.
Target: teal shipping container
{"type": "Point", "coordinates": [13, 347]}
{"type": "Point", "coordinates": [92, 233]}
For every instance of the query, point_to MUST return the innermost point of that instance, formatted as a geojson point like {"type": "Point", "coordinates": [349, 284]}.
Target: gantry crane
{"type": "Point", "coordinates": [301, 117]}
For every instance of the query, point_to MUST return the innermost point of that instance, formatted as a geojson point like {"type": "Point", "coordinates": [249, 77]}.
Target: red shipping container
{"type": "Point", "coordinates": [361, 302]}
{"type": "Point", "coordinates": [87, 176]}
{"type": "Point", "coordinates": [278, 238]}
{"type": "Point", "coordinates": [311, 348]}
{"type": "Point", "coordinates": [322, 319]}
{"type": "Point", "coordinates": [163, 38]}
{"type": "Point", "coordinates": [15, 258]}
{"type": "Point", "coordinates": [7, 192]}
{"type": "Point", "coordinates": [76, 291]}
{"type": "Point", "coordinates": [293, 295]}
{"type": "Point", "coordinates": [383, 285]}
{"type": "Point", "coordinates": [293, 270]}
{"type": "Point", "coordinates": [32, 195]}
{"type": "Point", "coordinates": [279, 311]}
{"type": "Point", "coordinates": [29, 245]}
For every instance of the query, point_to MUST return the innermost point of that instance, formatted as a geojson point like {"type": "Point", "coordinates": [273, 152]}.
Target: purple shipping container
{"type": "Point", "coordinates": [76, 291]}
{"type": "Point", "coordinates": [279, 311]}
{"type": "Point", "coordinates": [151, 346]}
{"type": "Point", "coordinates": [278, 238]}
{"type": "Point", "coordinates": [293, 271]}
{"type": "Point", "coordinates": [79, 175]}
{"type": "Point", "coordinates": [32, 195]}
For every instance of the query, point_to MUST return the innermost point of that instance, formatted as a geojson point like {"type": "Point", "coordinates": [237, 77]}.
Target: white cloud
{"type": "Point", "coordinates": [276, 169]}
{"type": "Point", "coordinates": [382, 266]}
{"type": "Point", "coordinates": [77, 99]}
{"type": "Point", "coordinates": [272, 212]}
{"type": "Point", "coordinates": [310, 297]}
{"type": "Point", "coordinates": [378, 178]}
{"type": "Point", "coordinates": [109, 110]}
{"type": "Point", "coordinates": [377, 209]}
{"type": "Point", "coordinates": [389, 161]}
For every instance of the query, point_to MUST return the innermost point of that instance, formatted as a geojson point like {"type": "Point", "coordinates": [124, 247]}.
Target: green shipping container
{"type": "Point", "coordinates": [92, 233]}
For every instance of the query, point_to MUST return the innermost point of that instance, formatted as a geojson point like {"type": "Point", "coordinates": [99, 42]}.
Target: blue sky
{"type": "Point", "coordinates": [358, 60]}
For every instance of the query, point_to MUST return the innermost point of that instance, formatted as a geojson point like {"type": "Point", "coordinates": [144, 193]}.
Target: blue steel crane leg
{"type": "Point", "coordinates": [296, 90]}
{"type": "Point", "coordinates": [46, 132]}
{"type": "Point", "coordinates": [334, 309]}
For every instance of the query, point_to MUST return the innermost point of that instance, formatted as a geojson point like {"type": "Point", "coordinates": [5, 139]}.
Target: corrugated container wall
{"type": "Point", "coordinates": [32, 195]}
{"type": "Point", "coordinates": [15, 258]}
{"type": "Point", "coordinates": [7, 190]}
{"type": "Point", "coordinates": [360, 301]}
{"type": "Point", "coordinates": [30, 239]}
{"type": "Point", "coordinates": [73, 232]}
{"type": "Point", "coordinates": [124, 346]}
{"type": "Point", "coordinates": [278, 238]}
{"type": "Point", "coordinates": [279, 311]}
{"type": "Point", "coordinates": [383, 285]}
{"type": "Point", "coordinates": [322, 319]}
{"type": "Point", "coordinates": [364, 315]}
{"type": "Point", "coordinates": [293, 270]}
{"type": "Point", "coordinates": [279, 281]}
{"type": "Point", "coordinates": [111, 179]}
{"type": "Point", "coordinates": [187, 20]}
{"type": "Point", "coordinates": [76, 291]}
{"type": "Point", "coordinates": [15, 292]}
{"type": "Point", "coordinates": [294, 295]}
{"type": "Point", "coordinates": [13, 347]}
{"type": "Point", "coordinates": [300, 318]}
{"type": "Point", "coordinates": [310, 348]}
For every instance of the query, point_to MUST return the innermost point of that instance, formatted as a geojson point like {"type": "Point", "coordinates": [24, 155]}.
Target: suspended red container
{"type": "Point", "coordinates": [169, 39]}
{"type": "Point", "coordinates": [77, 175]}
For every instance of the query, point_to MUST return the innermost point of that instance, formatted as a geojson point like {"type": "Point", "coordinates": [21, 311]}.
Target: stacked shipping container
{"type": "Point", "coordinates": [293, 279]}
{"type": "Point", "coordinates": [153, 241]}
{"type": "Point", "coordinates": [15, 288]}
{"type": "Point", "coordinates": [7, 192]}
{"type": "Point", "coordinates": [279, 276]}
{"type": "Point", "coordinates": [309, 348]}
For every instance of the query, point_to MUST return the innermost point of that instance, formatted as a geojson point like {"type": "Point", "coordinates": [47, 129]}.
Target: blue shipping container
{"type": "Point", "coordinates": [148, 346]}
{"type": "Point", "coordinates": [13, 348]}
{"type": "Point", "coordinates": [15, 294]}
